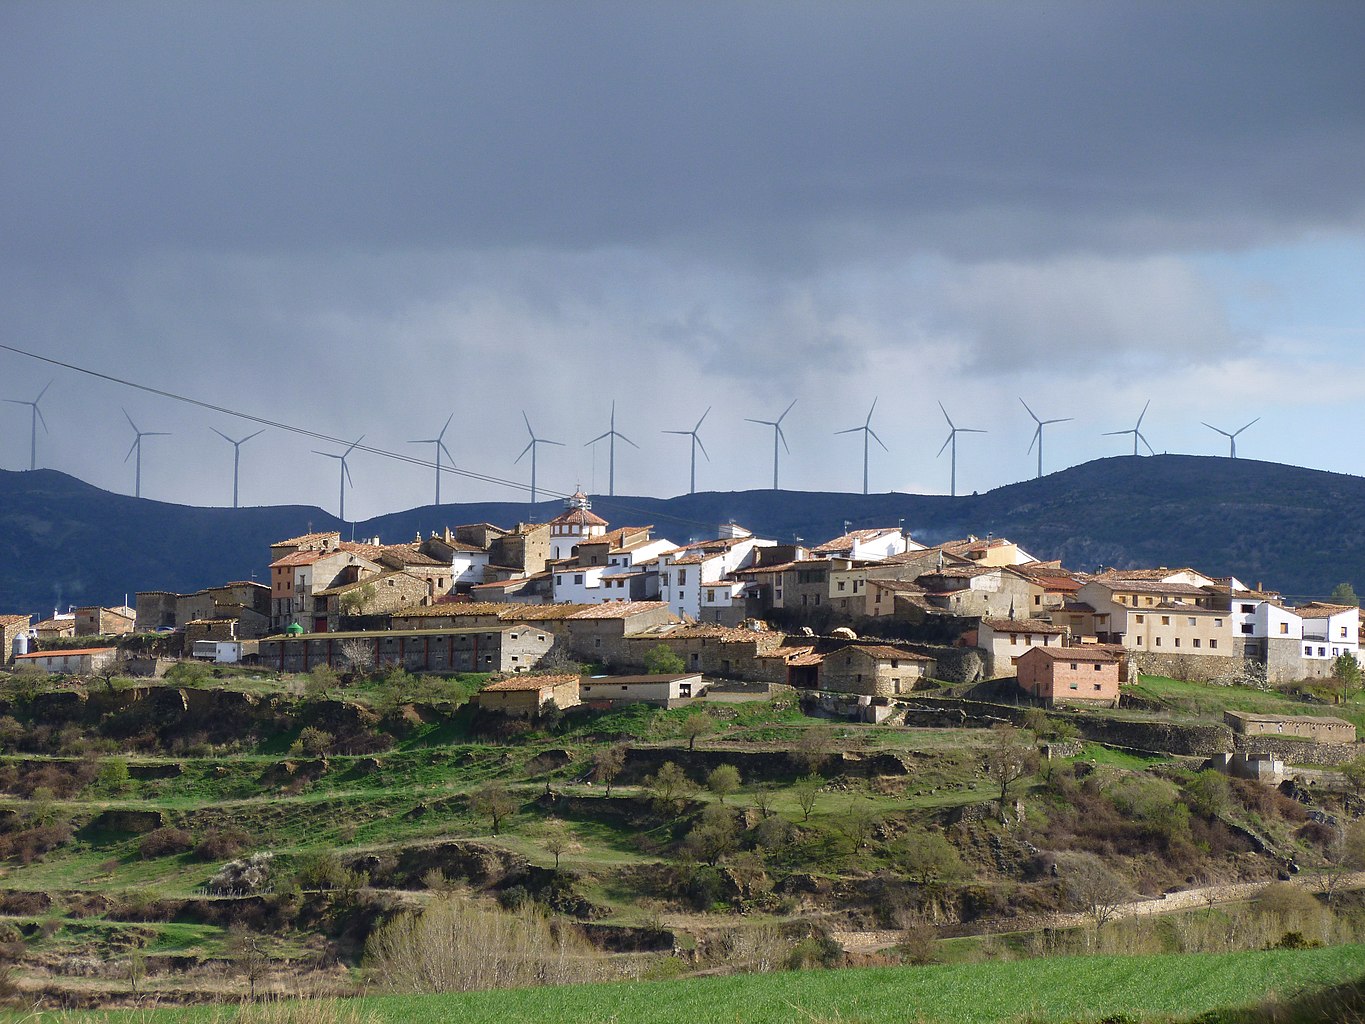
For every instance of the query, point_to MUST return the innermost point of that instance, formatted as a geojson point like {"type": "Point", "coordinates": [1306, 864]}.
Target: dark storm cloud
{"type": "Point", "coordinates": [978, 127]}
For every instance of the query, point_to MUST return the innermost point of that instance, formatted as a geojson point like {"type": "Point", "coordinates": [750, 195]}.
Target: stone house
{"type": "Point", "coordinates": [526, 549]}
{"type": "Point", "coordinates": [524, 696]}
{"type": "Point", "coordinates": [597, 633]}
{"type": "Point", "coordinates": [58, 627]}
{"type": "Point", "coordinates": [872, 544]}
{"type": "Point", "coordinates": [12, 626]}
{"type": "Point", "coordinates": [295, 577]}
{"type": "Point", "coordinates": [1002, 641]}
{"type": "Point", "coordinates": [85, 661]}
{"type": "Point", "coordinates": [874, 670]}
{"type": "Point", "coordinates": [510, 648]}
{"type": "Point", "coordinates": [979, 590]}
{"type": "Point", "coordinates": [726, 652]}
{"type": "Point", "coordinates": [384, 593]}
{"type": "Point", "coordinates": [1070, 675]}
{"type": "Point", "coordinates": [93, 620]}
{"type": "Point", "coordinates": [664, 690]}
{"type": "Point", "coordinates": [1319, 729]}
{"type": "Point", "coordinates": [685, 571]}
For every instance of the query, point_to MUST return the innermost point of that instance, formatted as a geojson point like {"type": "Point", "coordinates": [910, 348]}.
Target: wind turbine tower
{"type": "Point", "coordinates": [535, 442]}
{"type": "Point", "coordinates": [1136, 432]}
{"type": "Point", "coordinates": [1232, 438]}
{"type": "Point", "coordinates": [777, 436]}
{"type": "Point", "coordinates": [137, 447]}
{"type": "Point", "coordinates": [345, 478]}
{"type": "Point", "coordinates": [953, 431]}
{"type": "Point", "coordinates": [868, 434]}
{"type": "Point", "coordinates": [36, 417]}
{"type": "Point", "coordinates": [1038, 434]}
{"type": "Point", "coordinates": [440, 443]}
{"type": "Point", "coordinates": [611, 435]}
{"type": "Point", "coordinates": [236, 456]}
{"type": "Point", "coordinates": [696, 443]}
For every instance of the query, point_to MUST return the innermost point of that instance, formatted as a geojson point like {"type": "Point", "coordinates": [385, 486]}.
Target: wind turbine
{"type": "Point", "coordinates": [37, 415]}
{"type": "Point", "coordinates": [1038, 434]}
{"type": "Point", "coordinates": [777, 435]}
{"type": "Point", "coordinates": [236, 456]}
{"type": "Point", "coordinates": [137, 447]}
{"type": "Point", "coordinates": [696, 443]}
{"type": "Point", "coordinates": [1136, 432]}
{"type": "Point", "coordinates": [345, 477]}
{"type": "Point", "coordinates": [867, 432]}
{"type": "Point", "coordinates": [440, 443]}
{"type": "Point", "coordinates": [612, 435]}
{"type": "Point", "coordinates": [1232, 438]}
{"type": "Point", "coordinates": [953, 431]}
{"type": "Point", "coordinates": [532, 449]}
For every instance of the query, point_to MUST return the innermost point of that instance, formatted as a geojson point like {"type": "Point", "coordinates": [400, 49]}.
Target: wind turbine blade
{"type": "Point", "coordinates": [41, 418]}
{"type": "Point", "coordinates": [689, 433]}
{"type": "Point", "coordinates": [1215, 429]}
{"type": "Point", "coordinates": [17, 401]}
{"type": "Point", "coordinates": [156, 433]}
{"type": "Point", "coordinates": [44, 391]}
{"type": "Point", "coordinates": [946, 416]}
{"type": "Point", "coordinates": [222, 435]}
{"type": "Point", "coordinates": [132, 449]}
{"type": "Point", "coordinates": [628, 440]}
{"type": "Point", "coordinates": [785, 411]}
{"type": "Point", "coordinates": [766, 423]}
{"type": "Point", "coordinates": [531, 445]}
{"type": "Point", "coordinates": [1141, 414]}
{"type": "Point", "coordinates": [346, 470]}
{"type": "Point", "coordinates": [442, 434]}
{"type": "Point", "coordinates": [330, 455]}
{"type": "Point", "coordinates": [544, 441]}
{"type": "Point", "coordinates": [877, 439]}
{"type": "Point", "coordinates": [947, 442]}
{"type": "Point", "coordinates": [1256, 420]}
{"type": "Point", "coordinates": [868, 421]}
{"type": "Point", "coordinates": [250, 436]}
{"type": "Point", "coordinates": [701, 446]}
{"type": "Point", "coordinates": [1111, 433]}
{"type": "Point", "coordinates": [782, 436]}
{"type": "Point", "coordinates": [130, 421]}
{"type": "Point", "coordinates": [1036, 435]}
{"type": "Point", "coordinates": [443, 448]}
{"type": "Point", "coordinates": [972, 430]}
{"type": "Point", "coordinates": [1144, 441]}
{"type": "Point", "coordinates": [1030, 411]}
{"type": "Point", "coordinates": [1064, 419]}
{"type": "Point", "coordinates": [423, 440]}
{"type": "Point", "coordinates": [850, 430]}
{"type": "Point", "coordinates": [355, 444]}
{"type": "Point", "coordinates": [599, 437]}
{"type": "Point", "coordinates": [703, 416]}
{"type": "Point", "coordinates": [528, 423]}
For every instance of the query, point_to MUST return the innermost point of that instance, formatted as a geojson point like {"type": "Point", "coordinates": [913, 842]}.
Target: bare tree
{"type": "Point", "coordinates": [1093, 887]}
{"type": "Point", "coordinates": [494, 802]}
{"type": "Point", "coordinates": [807, 790]}
{"type": "Point", "coordinates": [247, 949]}
{"type": "Point", "coordinates": [557, 839]}
{"type": "Point", "coordinates": [697, 725]}
{"type": "Point", "coordinates": [607, 764]}
{"type": "Point", "coordinates": [356, 656]}
{"type": "Point", "coordinates": [814, 746]}
{"type": "Point", "coordinates": [1009, 758]}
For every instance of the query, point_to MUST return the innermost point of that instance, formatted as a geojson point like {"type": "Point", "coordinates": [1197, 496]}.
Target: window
{"type": "Point", "coordinates": [682, 577]}
{"type": "Point", "coordinates": [578, 577]}
{"type": "Point", "coordinates": [1097, 685]}
{"type": "Point", "coordinates": [1139, 641]}
{"type": "Point", "coordinates": [1177, 641]}
{"type": "Point", "coordinates": [1335, 651]}
{"type": "Point", "coordinates": [1343, 632]}
{"type": "Point", "coordinates": [1037, 599]}
{"type": "Point", "coordinates": [1247, 609]}
{"type": "Point", "coordinates": [1165, 620]}
{"type": "Point", "coordinates": [1140, 619]}
{"type": "Point", "coordinates": [1218, 623]}
{"type": "Point", "coordinates": [1189, 621]}
{"type": "Point", "coordinates": [1198, 642]}
{"type": "Point", "coordinates": [1073, 666]}
{"type": "Point", "coordinates": [1097, 668]}
{"type": "Point", "coordinates": [1014, 640]}
{"type": "Point", "coordinates": [1308, 651]}
{"type": "Point", "coordinates": [1075, 686]}
{"type": "Point", "coordinates": [1151, 600]}
{"type": "Point", "coordinates": [1322, 652]}
{"type": "Point", "coordinates": [841, 584]}
{"type": "Point", "coordinates": [1284, 627]}
{"type": "Point", "coordinates": [1247, 628]}
{"type": "Point", "coordinates": [559, 581]}
{"type": "Point", "coordinates": [1158, 641]}
{"type": "Point", "coordinates": [1213, 643]}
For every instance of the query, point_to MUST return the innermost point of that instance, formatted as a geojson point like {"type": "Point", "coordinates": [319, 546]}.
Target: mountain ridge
{"type": "Point", "coordinates": [1300, 531]}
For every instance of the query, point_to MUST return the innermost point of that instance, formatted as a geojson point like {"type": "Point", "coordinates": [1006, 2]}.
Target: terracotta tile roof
{"type": "Point", "coordinates": [1323, 610]}
{"type": "Point", "coordinates": [961, 572]}
{"type": "Point", "coordinates": [1023, 626]}
{"type": "Point", "coordinates": [408, 555]}
{"type": "Point", "coordinates": [14, 620]}
{"type": "Point", "coordinates": [234, 583]}
{"type": "Point", "coordinates": [458, 610]}
{"type": "Point", "coordinates": [806, 658]}
{"type": "Point", "coordinates": [541, 612]}
{"type": "Point", "coordinates": [849, 539]}
{"type": "Point", "coordinates": [629, 680]}
{"type": "Point", "coordinates": [370, 551]}
{"type": "Point", "coordinates": [341, 588]}
{"type": "Point", "coordinates": [899, 586]}
{"type": "Point", "coordinates": [620, 536]}
{"type": "Point", "coordinates": [458, 545]}
{"type": "Point", "coordinates": [618, 609]}
{"type": "Point", "coordinates": [308, 538]}
{"type": "Point", "coordinates": [49, 624]}
{"type": "Point", "coordinates": [577, 517]}
{"type": "Point", "coordinates": [57, 654]}
{"type": "Point", "coordinates": [1090, 652]}
{"type": "Point", "coordinates": [1144, 586]}
{"type": "Point", "coordinates": [884, 652]}
{"type": "Point", "coordinates": [1146, 574]}
{"type": "Point", "coordinates": [297, 558]}
{"type": "Point", "coordinates": [517, 684]}
{"type": "Point", "coordinates": [484, 526]}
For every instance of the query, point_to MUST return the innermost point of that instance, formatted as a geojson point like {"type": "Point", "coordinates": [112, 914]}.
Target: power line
{"type": "Point", "coordinates": [315, 435]}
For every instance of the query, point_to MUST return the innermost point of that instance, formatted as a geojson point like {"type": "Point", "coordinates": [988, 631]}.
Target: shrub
{"type": "Point", "coordinates": [313, 742]}
{"type": "Point", "coordinates": [164, 842]}
{"type": "Point", "coordinates": [662, 660]}
{"type": "Point", "coordinates": [221, 843]}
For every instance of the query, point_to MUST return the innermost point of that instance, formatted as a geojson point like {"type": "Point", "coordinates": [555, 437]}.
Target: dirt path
{"type": "Point", "coordinates": [1172, 902]}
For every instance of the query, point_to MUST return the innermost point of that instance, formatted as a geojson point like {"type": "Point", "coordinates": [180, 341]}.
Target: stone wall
{"type": "Point", "coordinates": [1293, 752]}
{"type": "Point", "coordinates": [1284, 662]}
{"type": "Point", "coordinates": [1196, 668]}
{"type": "Point", "coordinates": [155, 608]}
{"type": "Point", "coordinates": [753, 766]}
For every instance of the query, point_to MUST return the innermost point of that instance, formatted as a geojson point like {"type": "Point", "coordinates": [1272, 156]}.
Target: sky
{"type": "Point", "coordinates": [361, 219]}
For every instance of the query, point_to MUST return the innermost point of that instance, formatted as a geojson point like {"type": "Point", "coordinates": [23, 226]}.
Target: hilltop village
{"type": "Point", "coordinates": [872, 614]}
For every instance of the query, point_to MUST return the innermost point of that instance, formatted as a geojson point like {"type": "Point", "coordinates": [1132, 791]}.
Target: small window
{"type": "Point", "coordinates": [1097, 666]}
{"type": "Point", "coordinates": [1189, 620]}
{"type": "Point", "coordinates": [1198, 642]}
{"type": "Point", "coordinates": [1075, 686]}
{"type": "Point", "coordinates": [1218, 623]}
{"type": "Point", "coordinates": [1097, 685]}
{"type": "Point", "coordinates": [1140, 619]}
{"type": "Point", "coordinates": [1074, 666]}
{"type": "Point", "coordinates": [1165, 620]}
{"type": "Point", "coordinates": [1158, 641]}
{"type": "Point", "coordinates": [1284, 627]}
{"type": "Point", "coordinates": [1308, 651]}
{"type": "Point", "coordinates": [1213, 643]}
{"type": "Point", "coordinates": [1177, 641]}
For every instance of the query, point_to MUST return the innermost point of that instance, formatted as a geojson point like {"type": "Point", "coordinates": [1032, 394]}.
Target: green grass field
{"type": "Point", "coordinates": [1049, 991]}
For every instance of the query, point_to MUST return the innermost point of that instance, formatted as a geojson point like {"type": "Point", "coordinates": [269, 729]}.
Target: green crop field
{"type": "Point", "coordinates": [1063, 989]}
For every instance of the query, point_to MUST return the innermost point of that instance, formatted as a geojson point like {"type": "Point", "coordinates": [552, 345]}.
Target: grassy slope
{"type": "Point", "coordinates": [1049, 990]}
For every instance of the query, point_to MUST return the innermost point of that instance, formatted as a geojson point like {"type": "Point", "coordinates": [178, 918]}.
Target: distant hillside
{"type": "Point", "coordinates": [1298, 530]}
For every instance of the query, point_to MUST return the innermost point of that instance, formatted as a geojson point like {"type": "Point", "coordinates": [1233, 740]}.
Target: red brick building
{"type": "Point", "coordinates": [1070, 675]}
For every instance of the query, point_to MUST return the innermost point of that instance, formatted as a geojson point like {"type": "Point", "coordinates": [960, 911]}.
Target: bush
{"type": "Point", "coordinates": [164, 842]}
{"type": "Point", "coordinates": [221, 843]}
{"type": "Point", "coordinates": [313, 742]}
{"type": "Point", "coordinates": [662, 660]}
